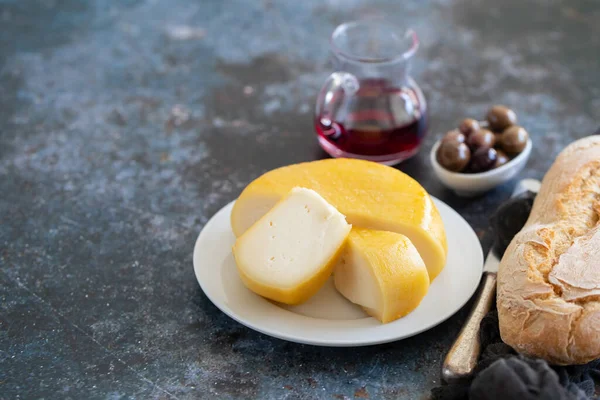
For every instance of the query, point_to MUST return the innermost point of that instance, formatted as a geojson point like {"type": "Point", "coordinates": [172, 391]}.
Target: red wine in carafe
{"type": "Point", "coordinates": [379, 122]}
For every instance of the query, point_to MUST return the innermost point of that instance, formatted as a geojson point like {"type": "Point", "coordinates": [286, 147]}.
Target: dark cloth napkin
{"type": "Point", "coordinates": [503, 374]}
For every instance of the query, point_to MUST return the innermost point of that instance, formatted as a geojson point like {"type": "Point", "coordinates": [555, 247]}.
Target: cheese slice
{"type": "Point", "coordinates": [370, 195]}
{"type": "Point", "coordinates": [382, 272]}
{"type": "Point", "coordinates": [290, 252]}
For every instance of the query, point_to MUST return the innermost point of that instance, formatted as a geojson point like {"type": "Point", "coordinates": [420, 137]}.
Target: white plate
{"type": "Point", "coordinates": [328, 319]}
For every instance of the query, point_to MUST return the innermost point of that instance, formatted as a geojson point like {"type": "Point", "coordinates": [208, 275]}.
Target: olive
{"type": "Point", "coordinates": [498, 137]}
{"type": "Point", "coordinates": [468, 126]}
{"type": "Point", "coordinates": [500, 118]}
{"type": "Point", "coordinates": [483, 138]}
{"type": "Point", "coordinates": [454, 136]}
{"type": "Point", "coordinates": [483, 160]}
{"type": "Point", "coordinates": [514, 139]}
{"type": "Point", "coordinates": [453, 156]}
{"type": "Point", "coordinates": [501, 158]}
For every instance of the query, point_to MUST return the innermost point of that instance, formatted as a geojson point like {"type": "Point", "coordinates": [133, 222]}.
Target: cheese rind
{"type": "Point", "coordinates": [370, 195]}
{"type": "Point", "coordinates": [382, 272]}
{"type": "Point", "coordinates": [290, 252]}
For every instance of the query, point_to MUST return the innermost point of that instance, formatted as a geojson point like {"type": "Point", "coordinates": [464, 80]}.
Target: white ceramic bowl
{"type": "Point", "coordinates": [469, 185]}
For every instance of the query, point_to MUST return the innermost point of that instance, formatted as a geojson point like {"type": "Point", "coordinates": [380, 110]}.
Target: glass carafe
{"type": "Point", "coordinates": [370, 108]}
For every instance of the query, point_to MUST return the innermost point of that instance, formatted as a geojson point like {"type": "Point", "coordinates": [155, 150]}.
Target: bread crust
{"type": "Point", "coordinates": [549, 277]}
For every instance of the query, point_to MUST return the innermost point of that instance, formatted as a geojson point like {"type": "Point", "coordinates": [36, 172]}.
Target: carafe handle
{"type": "Point", "coordinates": [339, 86]}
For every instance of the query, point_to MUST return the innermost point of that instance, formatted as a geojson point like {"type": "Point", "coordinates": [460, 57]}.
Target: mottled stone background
{"type": "Point", "coordinates": [125, 125]}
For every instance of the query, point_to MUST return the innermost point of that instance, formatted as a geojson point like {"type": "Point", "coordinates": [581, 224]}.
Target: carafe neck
{"type": "Point", "coordinates": [373, 50]}
{"type": "Point", "coordinates": [394, 72]}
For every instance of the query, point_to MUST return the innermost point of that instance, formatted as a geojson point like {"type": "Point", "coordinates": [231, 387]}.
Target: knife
{"type": "Point", "coordinates": [464, 353]}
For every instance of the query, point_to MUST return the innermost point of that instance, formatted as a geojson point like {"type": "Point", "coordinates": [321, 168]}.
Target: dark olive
{"type": "Point", "coordinates": [498, 137]}
{"type": "Point", "coordinates": [501, 158]}
{"type": "Point", "coordinates": [453, 156]}
{"type": "Point", "coordinates": [468, 126]}
{"type": "Point", "coordinates": [483, 138]}
{"type": "Point", "coordinates": [514, 139]}
{"type": "Point", "coordinates": [483, 160]}
{"type": "Point", "coordinates": [500, 118]}
{"type": "Point", "coordinates": [454, 136]}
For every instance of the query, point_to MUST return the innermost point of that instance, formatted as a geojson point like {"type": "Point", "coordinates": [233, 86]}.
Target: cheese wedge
{"type": "Point", "coordinates": [382, 272]}
{"type": "Point", "coordinates": [290, 252]}
{"type": "Point", "coordinates": [370, 195]}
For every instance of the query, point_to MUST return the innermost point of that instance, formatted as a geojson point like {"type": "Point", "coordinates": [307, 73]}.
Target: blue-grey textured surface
{"type": "Point", "coordinates": [125, 125]}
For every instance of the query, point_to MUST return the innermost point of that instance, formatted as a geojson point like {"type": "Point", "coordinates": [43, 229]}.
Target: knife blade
{"type": "Point", "coordinates": [532, 185]}
{"type": "Point", "coordinates": [464, 353]}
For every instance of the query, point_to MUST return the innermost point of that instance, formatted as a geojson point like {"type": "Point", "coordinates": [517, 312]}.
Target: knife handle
{"type": "Point", "coordinates": [462, 357]}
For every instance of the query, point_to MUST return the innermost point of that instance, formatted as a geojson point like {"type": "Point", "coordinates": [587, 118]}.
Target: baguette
{"type": "Point", "coordinates": [549, 278]}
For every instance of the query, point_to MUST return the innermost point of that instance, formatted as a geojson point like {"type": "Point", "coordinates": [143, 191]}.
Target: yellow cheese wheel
{"type": "Point", "coordinates": [382, 272]}
{"type": "Point", "coordinates": [370, 195]}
